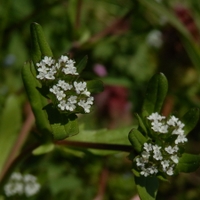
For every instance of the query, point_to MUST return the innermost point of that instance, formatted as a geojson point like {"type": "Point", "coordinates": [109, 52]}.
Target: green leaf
{"type": "Point", "coordinates": [114, 136]}
{"type": "Point", "coordinates": [9, 127]}
{"type": "Point", "coordinates": [81, 65]}
{"type": "Point", "coordinates": [155, 94]}
{"type": "Point", "coordinates": [62, 125]}
{"type": "Point", "coordinates": [137, 139]}
{"type": "Point", "coordinates": [188, 163]}
{"type": "Point", "coordinates": [190, 119]}
{"type": "Point", "coordinates": [141, 124]}
{"type": "Point", "coordinates": [37, 101]}
{"type": "Point", "coordinates": [147, 187]}
{"type": "Point", "coordinates": [40, 47]}
{"type": "Point", "coordinates": [95, 86]}
{"type": "Point", "coordinates": [44, 148]}
{"type": "Point", "coordinates": [104, 137]}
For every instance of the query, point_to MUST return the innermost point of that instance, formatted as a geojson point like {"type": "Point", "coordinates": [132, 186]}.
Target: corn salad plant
{"type": "Point", "coordinates": [67, 153]}
{"type": "Point", "coordinates": [58, 94]}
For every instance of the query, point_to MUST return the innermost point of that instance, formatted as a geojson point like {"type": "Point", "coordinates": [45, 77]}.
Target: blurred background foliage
{"type": "Point", "coordinates": [127, 42]}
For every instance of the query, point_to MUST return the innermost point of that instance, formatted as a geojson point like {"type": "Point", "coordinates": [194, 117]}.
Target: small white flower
{"type": "Point", "coordinates": [84, 105]}
{"type": "Point", "coordinates": [178, 131]}
{"type": "Point", "coordinates": [16, 176]}
{"type": "Point", "coordinates": [170, 171]}
{"type": "Point", "coordinates": [48, 60]}
{"type": "Point", "coordinates": [180, 124]}
{"type": "Point", "coordinates": [172, 121]}
{"type": "Point", "coordinates": [63, 59]}
{"type": "Point", "coordinates": [60, 95]}
{"type": "Point", "coordinates": [147, 147]}
{"type": "Point", "coordinates": [62, 105]}
{"type": "Point", "coordinates": [155, 116]}
{"type": "Point", "coordinates": [153, 170]}
{"type": "Point", "coordinates": [79, 86]}
{"type": "Point", "coordinates": [40, 64]}
{"type": "Point", "coordinates": [157, 155]}
{"type": "Point", "coordinates": [169, 149]}
{"type": "Point", "coordinates": [72, 99]}
{"type": "Point", "coordinates": [156, 148]}
{"type": "Point", "coordinates": [57, 65]}
{"type": "Point", "coordinates": [156, 125]}
{"type": "Point", "coordinates": [175, 148]}
{"type": "Point", "coordinates": [13, 188]}
{"type": "Point", "coordinates": [41, 75]}
{"type": "Point", "coordinates": [181, 139]}
{"type": "Point", "coordinates": [31, 186]}
{"type": "Point", "coordinates": [70, 106]}
{"type": "Point", "coordinates": [145, 172]}
{"type": "Point", "coordinates": [43, 69]}
{"type": "Point", "coordinates": [50, 75]}
{"type": "Point", "coordinates": [86, 92]}
{"type": "Point", "coordinates": [163, 129]}
{"type": "Point", "coordinates": [140, 162]}
{"type": "Point", "coordinates": [69, 68]}
{"type": "Point", "coordinates": [29, 178]}
{"type": "Point", "coordinates": [175, 158]}
{"type": "Point", "coordinates": [145, 155]}
{"type": "Point", "coordinates": [90, 100]}
{"type": "Point", "coordinates": [65, 86]}
{"type": "Point", "coordinates": [70, 63]}
{"type": "Point", "coordinates": [165, 164]}
{"type": "Point", "coordinates": [54, 89]}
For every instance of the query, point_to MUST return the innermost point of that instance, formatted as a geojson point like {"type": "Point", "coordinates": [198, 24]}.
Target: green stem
{"type": "Point", "coordinates": [28, 151]}
{"type": "Point", "coordinates": [92, 145]}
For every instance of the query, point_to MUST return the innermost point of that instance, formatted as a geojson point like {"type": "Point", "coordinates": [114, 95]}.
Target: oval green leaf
{"type": "Point", "coordinates": [190, 119]}
{"type": "Point", "coordinates": [141, 124]}
{"type": "Point", "coordinates": [188, 163]}
{"type": "Point", "coordinates": [155, 94]}
{"type": "Point", "coordinates": [82, 64]}
{"type": "Point", "coordinates": [62, 125]}
{"type": "Point", "coordinates": [44, 148]}
{"type": "Point", "coordinates": [39, 45]}
{"type": "Point", "coordinates": [136, 139]}
{"type": "Point", "coordinates": [37, 101]}
{"type": "Point", "coordinates": [147, 187]}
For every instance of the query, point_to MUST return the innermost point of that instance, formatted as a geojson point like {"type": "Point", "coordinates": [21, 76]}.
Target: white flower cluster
{"type": "Point", "coordinates": [48, 68]}
{"type": "Point", "coordinates": [69, 94]}
{"type": "Point", "coordinates": [21, 185]}
{"type": "Point", "coordinates": [154, 157]}
{"type": "Point", "coordinates": [173, 125]}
